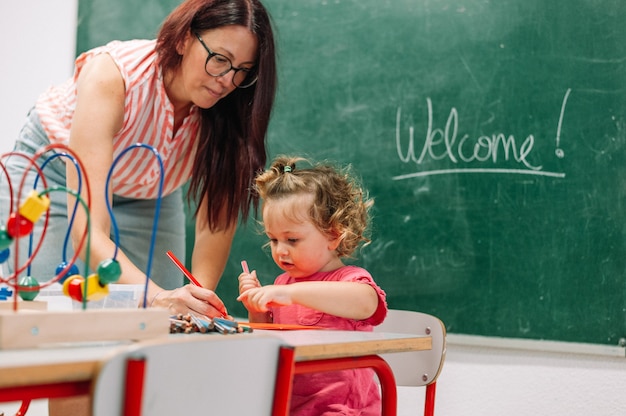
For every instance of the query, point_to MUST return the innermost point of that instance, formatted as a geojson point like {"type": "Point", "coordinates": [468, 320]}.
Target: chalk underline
{"type": "Point", "coordinates": [477, 170]}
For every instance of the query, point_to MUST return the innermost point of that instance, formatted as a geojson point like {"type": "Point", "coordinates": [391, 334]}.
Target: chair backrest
{"type": "Point", "coordinates": [194, 374]}
{"type": "Point", "coordinates": [419, 368]}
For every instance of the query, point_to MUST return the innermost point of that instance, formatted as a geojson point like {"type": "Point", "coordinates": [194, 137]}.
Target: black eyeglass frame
{"type": "Point", "coordinates": [248, 71]}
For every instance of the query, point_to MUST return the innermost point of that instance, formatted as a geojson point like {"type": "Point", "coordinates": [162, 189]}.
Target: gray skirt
{"type": "Point", "coordinates": [134, 217]}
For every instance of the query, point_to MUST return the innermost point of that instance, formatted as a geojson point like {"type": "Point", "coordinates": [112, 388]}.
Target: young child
{"type": "Point", "coordinates": [313, 218]}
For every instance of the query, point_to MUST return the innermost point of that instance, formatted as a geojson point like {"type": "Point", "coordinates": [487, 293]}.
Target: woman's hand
{"type": "Point", "coordinates": [191, 299]}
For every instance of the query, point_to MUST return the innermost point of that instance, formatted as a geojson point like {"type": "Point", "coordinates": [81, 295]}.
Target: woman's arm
{"type": "Point", "coordinates": [211, 250]}
{"type": "Point", "coordinates": [99, 115]}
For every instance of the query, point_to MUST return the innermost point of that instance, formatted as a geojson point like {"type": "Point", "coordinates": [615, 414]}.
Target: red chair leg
{"type": "Point", "coordinates": [23, 408]}
{"type": "Point", "coordinates": [284, 381]}
{"type": "Point", "coordinates": [429, 405]}
{"type": "Point", "coordinates": [379, 365]}
{"type": "Point", "coordinates": [135, 377]}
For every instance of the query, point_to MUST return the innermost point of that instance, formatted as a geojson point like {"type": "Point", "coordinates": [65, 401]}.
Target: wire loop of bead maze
{"type": "Point", "coordinates": [28, 207]}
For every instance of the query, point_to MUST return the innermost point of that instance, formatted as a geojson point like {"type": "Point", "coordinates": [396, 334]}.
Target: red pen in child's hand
{"type": "Point", "coordinates": [244, 266]}
{"type": "Point", "coordinates": [187, 273]}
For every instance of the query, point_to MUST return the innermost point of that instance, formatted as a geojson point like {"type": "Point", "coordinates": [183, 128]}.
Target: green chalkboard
{"type": "Point", "coordinates": [491, 135]}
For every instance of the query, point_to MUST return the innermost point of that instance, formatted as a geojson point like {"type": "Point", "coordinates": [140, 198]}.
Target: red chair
{"type": "Point", "coordinates": [419, 368]}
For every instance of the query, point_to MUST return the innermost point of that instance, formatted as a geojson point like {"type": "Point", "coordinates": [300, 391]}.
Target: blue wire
{"type": "Point", "coordinates": [72, 217]}
{"type": "Point", "coordinates": [157, 210]}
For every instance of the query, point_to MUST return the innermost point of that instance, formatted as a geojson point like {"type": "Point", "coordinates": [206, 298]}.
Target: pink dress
{"type": "Point", "coordinates": [346, 392]}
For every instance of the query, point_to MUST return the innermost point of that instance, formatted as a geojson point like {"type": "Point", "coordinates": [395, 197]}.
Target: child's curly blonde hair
{"type": "Point", "coordinates": [339, 209]}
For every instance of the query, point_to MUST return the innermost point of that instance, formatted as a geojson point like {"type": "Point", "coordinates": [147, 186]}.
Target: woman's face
{"type": "Point", "coordinates": [236, 43]}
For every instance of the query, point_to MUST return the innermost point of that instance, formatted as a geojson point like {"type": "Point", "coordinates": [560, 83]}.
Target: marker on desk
{"type": "Point", "coordinates": [187, 273]}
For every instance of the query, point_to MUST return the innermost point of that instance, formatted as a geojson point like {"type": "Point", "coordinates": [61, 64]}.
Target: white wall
{"type": "Point", "coordinates": [496, 382]}
{"type": "Point", "coordinates": [37, 47]}
{"type": "Point", "coordinates": [37, 43]}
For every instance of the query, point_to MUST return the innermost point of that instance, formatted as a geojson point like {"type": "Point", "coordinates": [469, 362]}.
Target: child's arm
{"type": "Point", "coordinates": [350, 300]}
{"type": "Point", "coordinates": [249, 281]}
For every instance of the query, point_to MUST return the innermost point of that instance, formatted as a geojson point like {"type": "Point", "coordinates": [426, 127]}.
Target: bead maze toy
{"type": "Point", "coordinates": [25, 325]}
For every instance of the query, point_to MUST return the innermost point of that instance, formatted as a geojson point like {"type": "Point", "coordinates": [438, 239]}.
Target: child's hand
{"type": "Point", "coordinates": [248, 281]}
{"type": "Point", "coordinates": [260, 298]}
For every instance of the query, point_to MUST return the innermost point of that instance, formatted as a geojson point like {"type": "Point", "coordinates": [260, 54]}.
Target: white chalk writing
{"type": "Point", "coordinates": [445, 144]}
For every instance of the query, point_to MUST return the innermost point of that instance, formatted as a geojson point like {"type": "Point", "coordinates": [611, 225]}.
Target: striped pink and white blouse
{"type": "Point", "coordinates": [148, 119]}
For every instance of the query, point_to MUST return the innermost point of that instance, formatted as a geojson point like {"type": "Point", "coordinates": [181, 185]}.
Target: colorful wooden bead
{"type": "Point", "coordinates": [5, 238]}
{"type": "Point", "coordinates": [28, 287]}
{"type": "Point", "coordinates": [109, 271]}
{"type": "Point", "coordinates": [5, 293]}
{"type": "Point", "coordinates": [18, 226]}
{"type": "Point", "coordinates": [4, 255]}
{"type": "Point", "coordinates": [72, 287]}
{"type": "Point", "coordinates": [33, 206]}
{"type": "Point", "coordinates": [72, 271]}
{"type": "Point", "coordinates": [95, 291]}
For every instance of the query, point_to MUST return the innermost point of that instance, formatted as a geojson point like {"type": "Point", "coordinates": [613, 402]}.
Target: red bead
{"type": "Point", "coordinates": [18, 226]}
{"type": "Point", "coordinates": [73, 287]}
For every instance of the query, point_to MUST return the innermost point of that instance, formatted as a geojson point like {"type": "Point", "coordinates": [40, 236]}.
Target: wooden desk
{"type": "Point", "coordinates": [69, 370]}
{"type": "Point", "coordinates": [38, 373]}
{"type": "Point", "coordinates": [60, 371]}
{"type": "Point", "coordinates": [325, 344]}
{"type": "Point", "coordinates": [326, 350]}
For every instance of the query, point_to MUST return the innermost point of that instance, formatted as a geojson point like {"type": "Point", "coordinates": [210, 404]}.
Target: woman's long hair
{"type": "Point", "coordinates": [232, 147]}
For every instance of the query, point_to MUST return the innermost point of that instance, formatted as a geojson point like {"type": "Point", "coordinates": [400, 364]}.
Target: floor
{"type": "Point", "coordinates": [36, 408]}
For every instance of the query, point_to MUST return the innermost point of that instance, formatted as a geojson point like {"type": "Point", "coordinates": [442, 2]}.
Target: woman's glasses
{"type": "Point", "coordinates": [218, 65]}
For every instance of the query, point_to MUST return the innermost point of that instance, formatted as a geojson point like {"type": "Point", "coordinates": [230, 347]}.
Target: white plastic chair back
{"type": "Point", "coordinates": [418, 368]}
{"type": "Point", "coordinates": [192, 375]}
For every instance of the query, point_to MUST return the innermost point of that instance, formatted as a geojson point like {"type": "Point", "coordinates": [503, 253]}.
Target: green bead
{"type": "Point", "coordinates": [5, 238]}
{"type": "Point", "coordinates": [109, 271]}
{"type": "Point", "coordinates": [27, 282]}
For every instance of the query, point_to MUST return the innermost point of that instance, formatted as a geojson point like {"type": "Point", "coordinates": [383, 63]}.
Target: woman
{"type": "Point", "coordinates": [201, 94]}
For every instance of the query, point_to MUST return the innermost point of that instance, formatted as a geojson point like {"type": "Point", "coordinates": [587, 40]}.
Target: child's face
{"type": "Point", "coordinates": [298, 247]}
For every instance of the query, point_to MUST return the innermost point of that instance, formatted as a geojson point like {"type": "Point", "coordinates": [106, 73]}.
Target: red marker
{"type": "Point", "coordinates": [187, 273]}
{"type": "Point", "coordinates": [182, 268]}
{"type": "Point", "coordinates": [244, 266]}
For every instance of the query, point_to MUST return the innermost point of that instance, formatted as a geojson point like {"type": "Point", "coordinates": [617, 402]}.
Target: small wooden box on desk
{"type": "Point", "coordinates": [35, 328]}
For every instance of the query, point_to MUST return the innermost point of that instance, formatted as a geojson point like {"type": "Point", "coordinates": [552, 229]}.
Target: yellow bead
{"type": "Point", "coordinates": [34, 206]}
{"type": "Point", "coordinates": [95, 291]}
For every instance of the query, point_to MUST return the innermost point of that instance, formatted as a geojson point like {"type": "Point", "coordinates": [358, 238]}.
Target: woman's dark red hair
{"type": "Point", "coordinates": [232, 145]}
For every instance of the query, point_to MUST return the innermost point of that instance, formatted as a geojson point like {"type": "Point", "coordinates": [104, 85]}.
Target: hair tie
{"type": "Point", "coordinates": [287, 169]}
